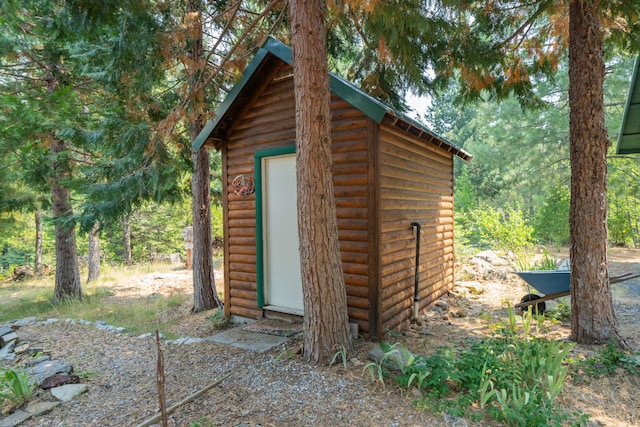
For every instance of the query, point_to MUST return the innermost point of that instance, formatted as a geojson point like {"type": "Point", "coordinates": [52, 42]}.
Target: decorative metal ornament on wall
{"type": "Point", "coordinates": [243, 185]}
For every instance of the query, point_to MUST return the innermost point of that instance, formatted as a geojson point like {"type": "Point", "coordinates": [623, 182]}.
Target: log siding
{"type": "Point", "coordinates": [416, 184]}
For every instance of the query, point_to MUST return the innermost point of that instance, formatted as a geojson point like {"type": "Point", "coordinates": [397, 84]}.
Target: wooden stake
{"type": "Point", "coordinates": [186, 400]}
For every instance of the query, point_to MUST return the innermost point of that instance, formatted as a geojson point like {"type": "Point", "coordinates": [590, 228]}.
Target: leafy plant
{"type": "Point", "coordinates": [203, 422]}
{"type": "Point", "coordinates": [342, 353]}
{"type": "Point", "coordinates": [607, 361]}
{"type": "Point", "coordinates": [15, 385]}
{"type": "Point", "coordinates": [218, 318]}
{"type": "Point", "coordinates": [517, 383]}
{"type": "Point", "coordinates": [546, 263]}
{"type": "Point", "coordinates": [502, 229]}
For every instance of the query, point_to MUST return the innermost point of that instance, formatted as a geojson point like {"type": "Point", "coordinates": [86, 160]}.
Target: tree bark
{"type": "Point", "coordinates": [592, 318]}
{"type": "Point", "coordinates": [38, 252]}
{"type": "Point", "coordinates": [126, 238]}
{"type": "Point", "coordinates": [205, 296]}
{"type": "Point", "coordinates": [326, 322]}
{"type": "Point", "coordinates": [67, 271]}
{"type": "Point", "coordinates": [94, 253]}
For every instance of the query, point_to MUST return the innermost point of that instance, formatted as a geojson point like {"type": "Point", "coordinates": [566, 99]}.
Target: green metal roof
{"type": "Point", "coordinates": [629, 136]}
{"type": "Point", "coordinates": [365, 103]}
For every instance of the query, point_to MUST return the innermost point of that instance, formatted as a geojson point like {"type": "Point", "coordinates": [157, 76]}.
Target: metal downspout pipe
{"type": "Point", "coordinates": [418, 228]}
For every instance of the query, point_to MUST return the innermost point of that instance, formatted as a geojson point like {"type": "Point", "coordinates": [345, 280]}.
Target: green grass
{"type": "Point", "coordinates": [33, 298]}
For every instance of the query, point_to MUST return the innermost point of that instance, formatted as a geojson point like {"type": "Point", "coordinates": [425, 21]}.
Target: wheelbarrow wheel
{"type": "Point", "coordinates": [538, 308]}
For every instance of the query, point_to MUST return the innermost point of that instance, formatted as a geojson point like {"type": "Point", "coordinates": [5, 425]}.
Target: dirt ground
{"type": "Point", "coordinates": [278, 388]}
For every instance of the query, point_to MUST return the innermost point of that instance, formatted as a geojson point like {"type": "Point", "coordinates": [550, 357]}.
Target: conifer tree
{"type": "Point", "coordinates": [504, 49]}
{"type": "Point", "coordinates": [326, 321]}
{"type": "Point", "coordinates": [38, 86]}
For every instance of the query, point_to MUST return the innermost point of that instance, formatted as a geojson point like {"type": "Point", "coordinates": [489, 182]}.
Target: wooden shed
{"type": "Point", "coordinates": [393, 181]}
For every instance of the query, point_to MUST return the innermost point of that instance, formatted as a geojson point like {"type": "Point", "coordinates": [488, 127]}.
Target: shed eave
{"type": "Point", "coordinates": [629, 135]}
{"type": "Point", "coordinates": [347, 91]}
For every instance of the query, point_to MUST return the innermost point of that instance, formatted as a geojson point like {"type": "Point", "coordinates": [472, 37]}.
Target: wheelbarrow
{"type": "Point", "coordinates": [552, 284]}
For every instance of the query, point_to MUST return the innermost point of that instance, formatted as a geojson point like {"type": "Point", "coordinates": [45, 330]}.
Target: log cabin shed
{"type": "Point", "coordinates": [393, 181]}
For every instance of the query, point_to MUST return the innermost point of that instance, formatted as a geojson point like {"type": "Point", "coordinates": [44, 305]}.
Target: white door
{"type": "Point", "coordinates": [282, 282]}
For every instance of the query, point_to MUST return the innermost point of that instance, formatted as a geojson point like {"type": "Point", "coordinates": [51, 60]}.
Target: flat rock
{"type": "Point", "coordinates": [492, 258]}
{"type": "Point", "coordinates": [7, 338]}
{"type": "Point", "coordinates": [67, 392]}
{"type": "Point", "coordinates": [21, 348]}
{"type": "Point", "coordinates": [26, 321]}
{"type": "Point", "coordinates": [46, 369]}
{"type": "Point", "coordinates": [14, 419]}
{"type": "Point", "coordinates": [37, 360]}
{"type": "Point", "coordinates": [4, 330]}
{"type": "Point", "coordinates": [37, 408]}
{"type": "Point", "coordinates": [7, 350]}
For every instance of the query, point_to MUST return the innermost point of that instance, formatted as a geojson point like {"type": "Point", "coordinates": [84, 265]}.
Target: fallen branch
{"type": "Point", "coordinates": [184, 401]}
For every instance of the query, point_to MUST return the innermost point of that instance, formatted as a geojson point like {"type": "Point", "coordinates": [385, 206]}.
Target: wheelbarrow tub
{"type": "Point", "coordinates": [547, 281]}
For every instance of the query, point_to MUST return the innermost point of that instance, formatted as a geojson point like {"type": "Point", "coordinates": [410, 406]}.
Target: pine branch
{"type": "Point", "coordinates": [170, 122]}
{"type": "Point", "coordinates": [524, 28]}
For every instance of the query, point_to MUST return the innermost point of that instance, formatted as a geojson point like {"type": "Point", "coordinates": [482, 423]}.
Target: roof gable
{"type": "Point", "coordinates": [629, 136]}
{"type": "Point", "coordinates": [272, 50]}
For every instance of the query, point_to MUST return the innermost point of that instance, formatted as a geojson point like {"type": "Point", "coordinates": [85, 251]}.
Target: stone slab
{"type": "Point", "coordinates": [246, 340]}
{"type": "Point", "coordinates": [14, 419]}
{"type": "Point", "coordinates": [7, 338]}
{"type": "Point", "coordinates": [38, 408]}
{"type": "Point", "coordinates": [7, 349]}
{"type": "Point", "coordinates": [44, 370]}
{"type": "Point", "coordinates": [69, 391]}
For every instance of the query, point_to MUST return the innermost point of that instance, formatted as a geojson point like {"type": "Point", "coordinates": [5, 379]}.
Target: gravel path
{"type": "Point", "coordinates": [263, 389]}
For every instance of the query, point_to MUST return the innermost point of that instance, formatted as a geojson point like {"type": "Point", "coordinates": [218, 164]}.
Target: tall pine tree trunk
{"type": "Point", "coordinates": [592, 317]}
{"type": "Point", "coordinates": [67, 271]}
{"type": "Point", "coordinates": [94, 253]}
{"type": "Point", "coordinates": [326, 322]}
{"type": "Point", "coordinates": [126, 238]}
{"type": "Point", "coordinates": [38, 253]}
{"type": "Point", "coordinates": [205, 296]}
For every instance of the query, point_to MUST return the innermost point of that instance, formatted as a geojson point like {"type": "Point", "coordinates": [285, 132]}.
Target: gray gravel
{"type": "Point", "coordinates": [264, 389]}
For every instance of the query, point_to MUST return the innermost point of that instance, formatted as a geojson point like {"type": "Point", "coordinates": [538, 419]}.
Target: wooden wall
{"type": "Point", "coordinates": [416, 184]}
{"type": "Point", "coordinates": [268, 123]}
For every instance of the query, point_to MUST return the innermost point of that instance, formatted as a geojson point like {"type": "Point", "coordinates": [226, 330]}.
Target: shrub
{"type": "Point", "coordinates": [551, 222]}
{"type": "Point", "coordinates": [501, 229]}
{"type": "Point", "coordinates": [516, 382]}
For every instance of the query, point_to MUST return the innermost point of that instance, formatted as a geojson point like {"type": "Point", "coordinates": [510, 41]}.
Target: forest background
{"type": "Point", "coordinates": [136, 187]}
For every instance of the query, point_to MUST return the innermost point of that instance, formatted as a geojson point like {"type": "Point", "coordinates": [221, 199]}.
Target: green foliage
{"type": "Point", "coordinates": [551, 222]}
{"type": "Point", "coordinates": [15, 385]}
{"type": "Point", "coordinates": [156, 230]}
{"type": "Point", "coordinates": [218, 318]}
{"type": "Point", "coordinates": [465, 193]}
{"type": "Point", "coordinates": [516, 382]}
{"type": "Point", "coordinates": [547, 262]}
{"type": "Point", "coordinates": [502, 229]}
{"type": "Point", "coordinates": [342, 354]}
{"type": "Point", "coordinates": [606, 362]}
{"type": "Point", "coordinates": [203, 422]}
{"type": "Point", "coordinates": [624, 201]}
